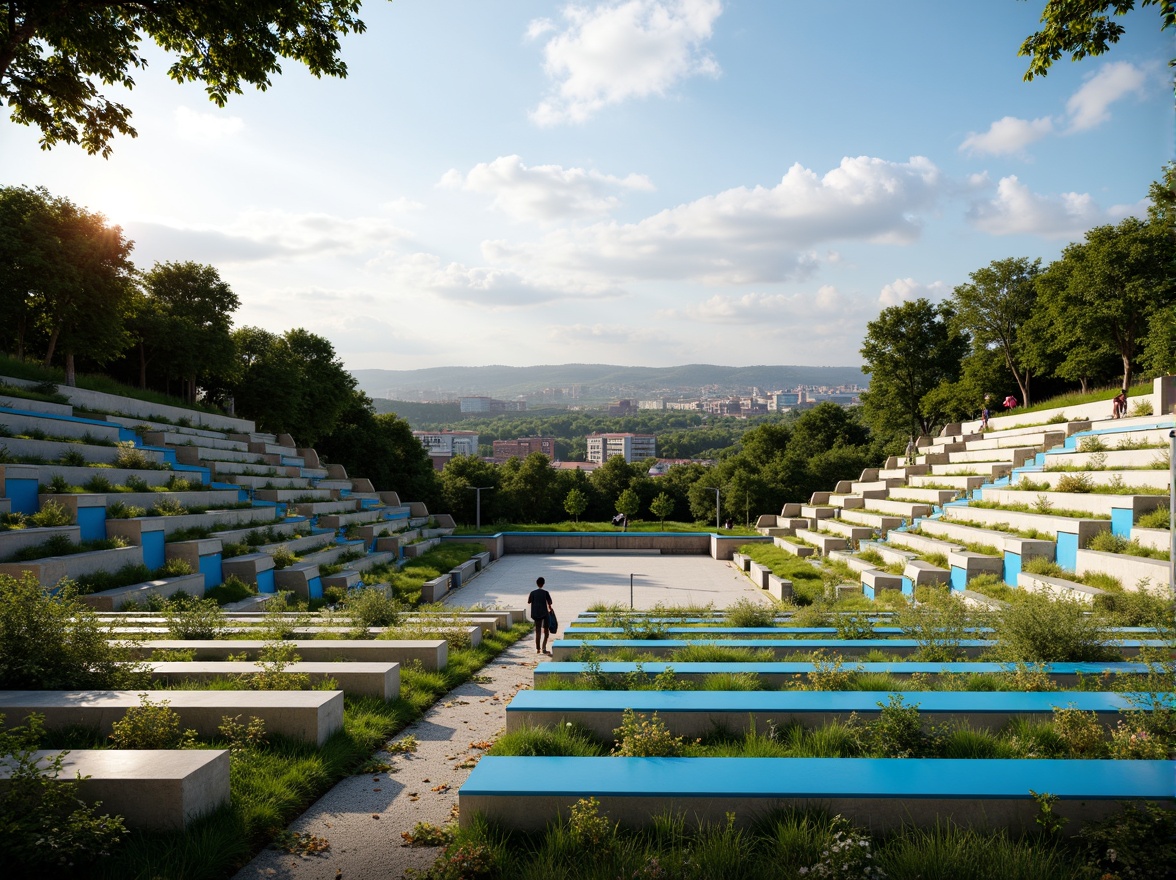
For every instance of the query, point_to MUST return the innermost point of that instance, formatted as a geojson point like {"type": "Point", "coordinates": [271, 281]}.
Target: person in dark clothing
{"type": "Point", "coordinates": [540, 602]}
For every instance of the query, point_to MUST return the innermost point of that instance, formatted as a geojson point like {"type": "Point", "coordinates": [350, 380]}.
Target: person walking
{"type": "Point", "coordinates": [911, 451]}
{"type": "Point", "coordinates": [541, 610]}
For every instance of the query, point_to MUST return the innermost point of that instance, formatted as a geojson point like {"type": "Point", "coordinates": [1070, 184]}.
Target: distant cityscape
{"type": "Point", "coordinates": [711, 400]}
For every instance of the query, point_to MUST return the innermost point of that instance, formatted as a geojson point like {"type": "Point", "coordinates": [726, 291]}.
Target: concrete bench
{"type": "Point", "coordinates": [434, 590]}
{"type": "Point", "coordinates": [921, 573]}
{"type": "Point", "coordinates": [310, 716]}
{"type": "Point", "coordinates": [801, 550]}
{"type": "Point", "coordinates": [878, 521]}
{"type": "Point", "coordinates": [1133, 572]}
{"type": "Point", "coordinates": [699, 713]}
{"type": "Point", "coordinates": [52, 569]}
{"type": "Point", "coordinates": [880, 794]}
{"type": "Point", "coordinates": [960, 484]}
{"type": "Point", "coordinates": [113, 600]}
{"type": "Point", "coordinates": [432, 654]}
{"type": "Point", "coordinates": [463, 573]}
{"type": "Point", "coordinates": [850, 531]}
{"type": "Point", "coordinates": [151, 790]}
{"type": "Point", "coordinates": [824, 543]}
{"type": "Point", "coordinates": [875, 581]}
{"type": "Point", "coordinates": [776, 673]}
{"type": "Point", "coordinates": [379, 680]}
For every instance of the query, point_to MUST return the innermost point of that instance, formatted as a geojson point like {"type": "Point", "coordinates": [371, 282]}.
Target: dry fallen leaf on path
{"type": "Point", "coordinates": [440, 788]}
{"type": "Point", "coordinates": [481, 744]}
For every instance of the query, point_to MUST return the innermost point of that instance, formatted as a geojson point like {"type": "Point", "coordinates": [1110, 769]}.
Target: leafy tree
{"type": "Point", "coordinates": [661, 507]}
{"type": "Point", "coordinates": [1112, 284]}
{"type": "Point", "coordinates": [994, 307]}
{"type": "Point", "coordinates": [186, 323]}
{"type": "Point", "coordinates": [611, 479]}
{"type": "Point", "coordinates": [53, 642]}
{"type": "Point", "coordinates": [463, 474]}
{"type": "Point", "coordinates": [1082, 27]}
{"type": "Point", "coordinates": [527, 487]}
{"type": "Point", "coordinates": [290, 383]}
{"type": "Point", "coordinates": [83, 312]}
{"type": "Point", "coordinates": [383, 449]}
{"type": "Point", "coordinates": [909, 349]}
{"type": "Point", "coordinates": [628, 503]}
{"type": "Point", "coordinates": [30, 262]}
{"type": "Point", "coordinates": [575, 504]}
{"type": "Point", "coordinates": [702, 499]}
{"type": "Point", "coordinates": [53, 52]}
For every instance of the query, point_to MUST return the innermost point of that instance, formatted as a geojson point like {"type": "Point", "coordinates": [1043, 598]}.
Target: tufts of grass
{"type": "Point", "coordinates": [563, 740]}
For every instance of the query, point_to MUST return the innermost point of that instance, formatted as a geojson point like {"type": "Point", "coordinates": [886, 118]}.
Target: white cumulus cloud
{"type": "Point", "coordinates": [746, 235]}
{"type": "Point", "coordinates": [488, 286]}
{"type": "Point", "coordinates": [1089, 106]}
{"type": "Point", "coordinates": [1016, 210]}
{"type": "Point", "coordinates": [1009, 135]}
{"type": "Point", "coordinates": [902, 290]}
{"type": "Point", "coordinates": [615, 51]}
{"type": "Point", "coordinates": [544, 192]}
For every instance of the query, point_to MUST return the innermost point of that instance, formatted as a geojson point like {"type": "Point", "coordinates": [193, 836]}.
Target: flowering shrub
{"type": "Point", "coordinates": [641, 737]}
{"type": "Point", "coordinates": [847, 855]}
{"type": "Point", "coordinates": [1129, 741]}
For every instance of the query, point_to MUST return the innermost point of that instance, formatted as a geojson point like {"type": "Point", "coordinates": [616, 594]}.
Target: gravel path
{"type": "Point", "coordinates": [363, 817]}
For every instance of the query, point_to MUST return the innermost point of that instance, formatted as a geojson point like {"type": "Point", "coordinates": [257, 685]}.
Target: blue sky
{"type": "Point", "coordinates": [645, 182]}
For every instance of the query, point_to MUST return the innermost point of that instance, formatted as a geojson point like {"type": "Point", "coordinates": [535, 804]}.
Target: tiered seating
{"type": "Point", "coordinates": [973, 504]}
{"type": "Point", "coordinates": [247, 503]}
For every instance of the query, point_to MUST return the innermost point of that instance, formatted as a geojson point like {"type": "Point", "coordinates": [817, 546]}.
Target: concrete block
{"type": "Point", "coordinates": [151, 790]}
{"type": "Point", "coordinates": [379, 680]}
{"type": "Point", "coordinates": [311, 716]}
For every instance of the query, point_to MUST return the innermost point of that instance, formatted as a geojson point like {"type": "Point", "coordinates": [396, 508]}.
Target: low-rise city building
{"type": "Point", "coordinates": [633, 447]}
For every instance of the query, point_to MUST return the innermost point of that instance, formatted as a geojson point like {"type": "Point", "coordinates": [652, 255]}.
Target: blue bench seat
{"type": "Point", "coordinates": [698, 713]}
{"type": "Point", "coordinates": [775, 674]}
{"type": "Point", "coordinates": [881, 794]}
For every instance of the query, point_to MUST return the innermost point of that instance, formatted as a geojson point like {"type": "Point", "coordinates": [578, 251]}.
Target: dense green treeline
{"type": "Point", "coordinates": [774, 462]}
{"type": "Point", "coordinates": [1103, 314]}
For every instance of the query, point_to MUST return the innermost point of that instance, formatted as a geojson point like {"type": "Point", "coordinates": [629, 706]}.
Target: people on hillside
{"type": "Point", "coordinates": [984, 417]}
{"type": "Point", "coordinates": [1010, 402]}
{"type": "Point", "coordinates": [1119, 405]}
{"type": "Point", "coordinates": [911, 450]}
{"type": "Point", "coordinates": [541, 611]}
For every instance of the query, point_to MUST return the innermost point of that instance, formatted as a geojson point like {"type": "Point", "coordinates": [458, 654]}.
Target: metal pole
{"type": "Point", "coordinates": [1172, 514]}
{"type": "Point", "coordinates": [631, 576]}
{"type": "Point", "coordinates": [478, 503]}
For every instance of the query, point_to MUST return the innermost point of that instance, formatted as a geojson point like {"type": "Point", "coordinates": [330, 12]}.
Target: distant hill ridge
{"type": "Point", "coordinates": [504, 381]}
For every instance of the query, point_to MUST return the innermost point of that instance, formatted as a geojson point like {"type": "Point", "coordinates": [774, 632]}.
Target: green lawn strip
{"type": "Point", "coordinates": [787, 844]}
{"type": "Point", "coordinates": [807, 582]}
{"type": "Point", "coordinates": [1043, 509]}
{"type": "Point", "coordinates": [274, 784]}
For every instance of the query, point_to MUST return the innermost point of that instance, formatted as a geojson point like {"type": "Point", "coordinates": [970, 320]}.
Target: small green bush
{"type": "Point", "coordinates": [195, 619]}
{"type": "Point", "coordinates": [1039, 629]}
{"type": "Point", "coordinates": [52, 513]}
{"type": "Point", "coordinates": [151, 725]}
{"type": "Point", "coordinates": [131, 457]}
{"type": "Point", "coordinates": [748, 613]}
{"type": "Point", "coordinates": [47, 829]}
{"type": "Point", "coordinates": [371, 607]}
{"type": "Point", "coordinates": [231, 589]}
{"type": "Point", "coordinates": [53, 642]}
{"type": "Point", "coordinates": [1160, 518]}
{"type": "Point", "coordinates": [644, 737]}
